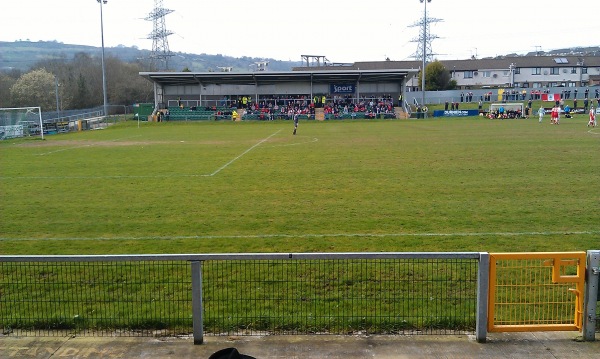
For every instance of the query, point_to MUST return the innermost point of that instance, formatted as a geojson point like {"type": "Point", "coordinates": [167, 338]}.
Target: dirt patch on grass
{"type": "Point", "coordinates": [80, 143]}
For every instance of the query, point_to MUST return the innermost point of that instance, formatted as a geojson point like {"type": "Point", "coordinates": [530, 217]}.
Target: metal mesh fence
{"type": "Point", "coordinates": [95, 298]}
{"type": "Point", "coordinates": [386, 296]}
{"type": "Point", "coordinates": [240, 297]}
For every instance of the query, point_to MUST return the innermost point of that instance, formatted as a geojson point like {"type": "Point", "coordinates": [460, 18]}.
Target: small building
{"type": "Point", "coordinates": [533, 72]}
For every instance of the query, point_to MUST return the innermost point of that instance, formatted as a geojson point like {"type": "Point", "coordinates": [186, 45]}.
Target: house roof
{"type": "Point", "coordinates": [477, 64]}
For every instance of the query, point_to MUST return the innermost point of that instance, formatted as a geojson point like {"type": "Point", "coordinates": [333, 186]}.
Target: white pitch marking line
{"type": "Point", "coordinates": [238, 157]}
{"type": "Point", "coordinates": [592, 131]}
{"type": "Point", "coordinates": [359, 235]}
{"type": "Point", "coordinates": [297, 143]}
{"type": "Point", "coordinates": [150, 176]}
{"type": "Point", "coordinates": [63, 149]}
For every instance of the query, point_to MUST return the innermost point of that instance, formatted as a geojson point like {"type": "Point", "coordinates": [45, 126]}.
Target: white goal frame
{"type": "Point", "coordinates": [17, 127]}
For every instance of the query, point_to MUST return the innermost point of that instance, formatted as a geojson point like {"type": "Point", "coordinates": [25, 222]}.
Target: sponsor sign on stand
{"type": "Point", "coordinates": [342, 89]}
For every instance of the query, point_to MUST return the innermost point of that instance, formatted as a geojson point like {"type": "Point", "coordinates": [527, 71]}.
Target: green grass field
{"type": "Point", "coordinates": [467, 184]}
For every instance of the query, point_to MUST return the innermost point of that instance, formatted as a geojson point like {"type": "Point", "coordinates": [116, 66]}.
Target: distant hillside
{"type": "Point", "coordinates": [22, 55]}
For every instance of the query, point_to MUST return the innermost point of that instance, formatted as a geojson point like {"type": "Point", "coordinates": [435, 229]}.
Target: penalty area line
{"type": "Point", "coordinates": [243, 153]}
{"type": "Point", "coordinates": [145, 176]}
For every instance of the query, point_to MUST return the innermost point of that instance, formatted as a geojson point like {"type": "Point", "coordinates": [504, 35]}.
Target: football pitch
{"type": "Point", "coordinates": [462, 184]}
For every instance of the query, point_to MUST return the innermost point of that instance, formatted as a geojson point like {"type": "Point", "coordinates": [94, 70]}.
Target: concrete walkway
{"type": "Point", "coordinates": [499, 345]}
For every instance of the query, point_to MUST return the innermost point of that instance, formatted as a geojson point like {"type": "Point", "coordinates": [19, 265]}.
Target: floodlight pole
{"type": "Point", "coordinates": [56, 92]}
{"type": "Point", "coordinates": [103, 65]}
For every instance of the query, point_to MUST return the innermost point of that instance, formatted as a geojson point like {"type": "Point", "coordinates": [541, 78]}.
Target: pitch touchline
{"type": "Point", "coordinates": [329, 235]}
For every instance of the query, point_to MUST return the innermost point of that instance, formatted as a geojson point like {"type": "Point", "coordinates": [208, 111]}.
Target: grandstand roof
{"type": "Point", "coordinates": [273, 77]}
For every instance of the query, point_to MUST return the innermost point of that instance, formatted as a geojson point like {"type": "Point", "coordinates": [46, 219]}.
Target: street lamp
{"type": "Point", "coordinates": [103, 66]}
{"type": "Point", "coordinates": [56, 93]}
{"type": "Point", "coordinates": [424, 50]}
{"type": "Point", "coordinates": [511, 69]}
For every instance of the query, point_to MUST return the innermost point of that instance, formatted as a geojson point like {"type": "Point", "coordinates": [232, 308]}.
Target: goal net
{"type": "Point", "coordinates": [20, 122]}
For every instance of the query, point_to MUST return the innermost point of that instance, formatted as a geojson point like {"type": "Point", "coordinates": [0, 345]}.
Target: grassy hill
{"type": "Point", "coordinates": [21, 55]}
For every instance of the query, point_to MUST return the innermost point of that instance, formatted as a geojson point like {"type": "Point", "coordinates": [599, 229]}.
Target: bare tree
{"type": "Point", "coordinates": [80, 81]}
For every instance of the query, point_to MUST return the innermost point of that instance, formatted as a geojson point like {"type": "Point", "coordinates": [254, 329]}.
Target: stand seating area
{"type": "Point", "coordinates": [199, 113]}
{"type": "Point", "coordinates": [225, 113]}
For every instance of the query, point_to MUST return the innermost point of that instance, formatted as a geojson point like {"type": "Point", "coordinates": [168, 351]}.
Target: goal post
{"type": "Point", "coordinates": [18, 122]}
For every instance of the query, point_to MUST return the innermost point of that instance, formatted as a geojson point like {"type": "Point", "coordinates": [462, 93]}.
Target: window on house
{"type": "Point", "coordinates": [468, 74]}
{"type": "Point", "coordinates": [536, 71]}
{"type": "Point", "coordinates": [554, 71]}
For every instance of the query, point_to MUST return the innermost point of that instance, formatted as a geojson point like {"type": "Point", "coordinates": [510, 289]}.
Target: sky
{"type": "Point", "coordinates": [343, 31]}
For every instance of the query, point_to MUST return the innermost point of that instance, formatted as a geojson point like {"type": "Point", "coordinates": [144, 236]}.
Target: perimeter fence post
{"type": "Point", "coordinates": [483, 285]}
{"type": "Point", "coordinates": [592, 295]}
{"type": "Point", "coordinates": [197, 302]}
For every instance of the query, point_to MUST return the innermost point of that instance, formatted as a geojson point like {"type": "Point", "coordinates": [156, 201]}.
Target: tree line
{"type": "Point", "coordinates": [77, 82]}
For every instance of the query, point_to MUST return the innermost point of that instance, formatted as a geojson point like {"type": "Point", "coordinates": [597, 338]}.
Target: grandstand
{"type": "Point", "coordinates": [320, 95]}
{"type": "Point", "coordinates": [269, 108]}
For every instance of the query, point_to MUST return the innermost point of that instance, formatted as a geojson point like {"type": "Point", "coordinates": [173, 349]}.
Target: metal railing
{"type": "Point", "coordinates": [254, 294]}
{"type": "Point", "coordinates": [126, 298]}
{"type": "Point", "coordinates": [591, 316]}
{"type": "Point", "coordinates": [242, 294]}
{"type": "Point", "coordinates": [340, 295]}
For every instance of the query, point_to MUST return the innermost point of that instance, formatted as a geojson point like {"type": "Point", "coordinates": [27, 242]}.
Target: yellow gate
{"type": "Point", "coordinates": [536, 291]}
